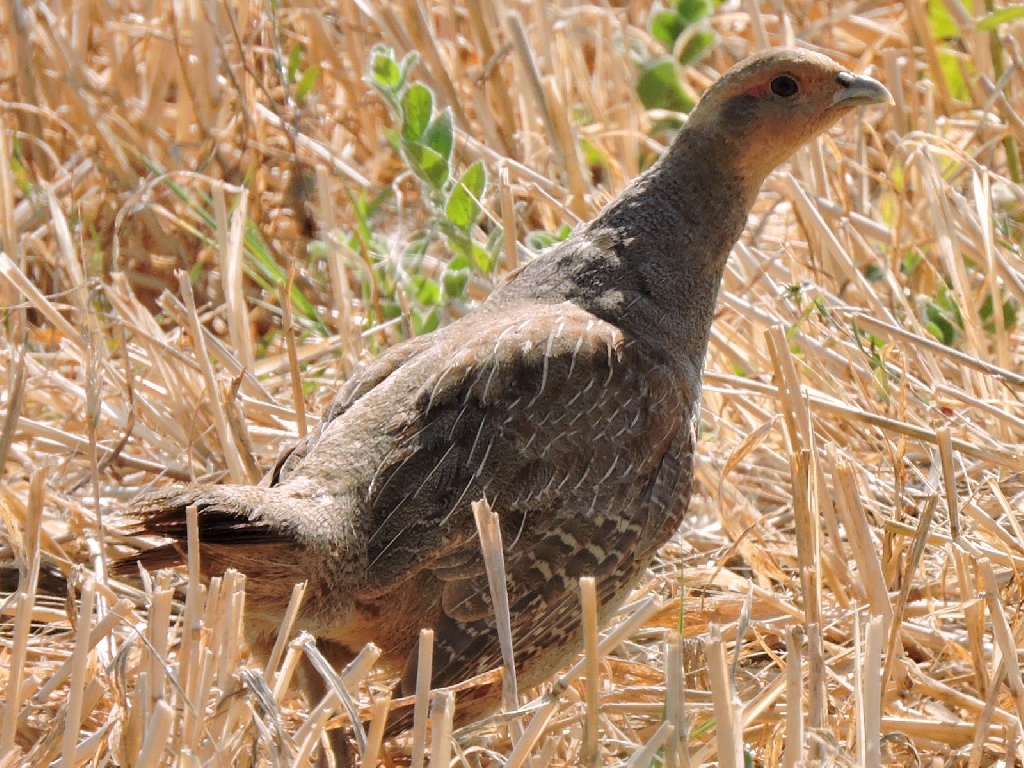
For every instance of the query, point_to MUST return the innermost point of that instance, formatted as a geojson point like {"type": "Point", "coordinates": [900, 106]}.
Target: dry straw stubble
{"type": "Point", "coordinates": [862, 416]}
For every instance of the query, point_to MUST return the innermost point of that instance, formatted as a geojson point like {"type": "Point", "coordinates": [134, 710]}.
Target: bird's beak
{"type": "Point", "coordinates": [860, 90]}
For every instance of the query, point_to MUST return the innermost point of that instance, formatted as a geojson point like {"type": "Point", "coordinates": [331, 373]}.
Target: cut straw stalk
{"type": "Point", "coordinates": [287, 623]}
{"type": "Point", "coordinates": [676, 748]}
{"type": "Point", "coordinates": [294, 374]}
{"type": "Point", "coordinates": [75, 708]}
{"type": "Point", "coordinates": [309, 733]}
{"type": "Point", "coordinates": [592, 670]}
{"type": "Point", "coordinates": [341, 687]}
{"type": "Point", "coordinates": [1002, 634]}
{"type": "Point", "coordinates": [27, 584]}
{"type": "Point", "coordinates": [829, 560]}
{"type": "Point", "coordinates": [15, 682]}
{"type": "Point", "coordinates": [727, 706]}
{"type": "Point", "coordinates": [10, 244]}
{"type": "Point", "coordinates": [224, 434]}
{"type": "Point", "coordinates": [808, 553]}
{"type": "Point", "coordinates": [155, 740]}
{"type": "Point", "coordinates": [15, 398]}
{"type": "Point", "coordinates": [424, 670]}
{"type": "Point", "coordinates": [793, 754]}
{"type": "Point", "coordinates": [489, 529]}
{"type": "Point", "coordinates": [549, 704]}
{"type": "Point", "coordinates": [646, 755]}
{"type": "Point", "coordinates": [824, 405]}
{"type": "Point", "coordinates": [378, 722]}
{"type": "Point", "coordinates": [230, 237]}
{"type": "Point", "coordinates": [868, 692]}
{"type": "Point", "coordinates": [442, 713]}
{"type": "Point", "coordinates": [920, 540]}
{"type": "Point", "coordinates": [20, 284]}
{"type": "Point", "coordinates": [159, 631]}
{"type": "Point", "coordinates": [858, 530]}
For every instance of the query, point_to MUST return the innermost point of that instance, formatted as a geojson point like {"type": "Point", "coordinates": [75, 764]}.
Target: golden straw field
{"type": "Point", "coordinates": [211, 213]}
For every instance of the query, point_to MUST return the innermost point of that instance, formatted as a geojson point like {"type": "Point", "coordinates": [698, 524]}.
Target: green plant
{"type": "Point", "coordinates": [425, 140]}
{"type": "Point", "coordinates": [262, 265]}
{"type": "Point", "coordinates": [684, 23]}
{"type": "Point", "coordinates": [682, 28]}
{"type": "Point", "coordinates": [304, 80]}
{"type": "Point", "coordinates": [956, 67]}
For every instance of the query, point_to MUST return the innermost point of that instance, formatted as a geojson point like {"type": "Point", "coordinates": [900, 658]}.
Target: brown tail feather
{"type": "Point", "coordinates": [226, 517]}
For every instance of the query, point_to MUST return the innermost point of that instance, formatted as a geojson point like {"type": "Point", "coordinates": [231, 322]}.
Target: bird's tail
{"type": "Point", "coordinates": [243, 519]}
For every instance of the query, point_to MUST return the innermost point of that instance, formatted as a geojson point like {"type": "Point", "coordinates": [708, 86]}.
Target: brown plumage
{"type": "Point", "coordinates": [569, 401]}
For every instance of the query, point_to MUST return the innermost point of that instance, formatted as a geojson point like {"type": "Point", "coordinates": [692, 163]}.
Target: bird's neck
{"type": "Point", "coordinates": [671, 234]}
{"type": "Point", "coordinates": [652, 261]}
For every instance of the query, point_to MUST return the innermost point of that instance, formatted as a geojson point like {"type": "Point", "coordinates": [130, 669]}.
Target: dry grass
{"type": "Point", "coordinates": [849, 591]}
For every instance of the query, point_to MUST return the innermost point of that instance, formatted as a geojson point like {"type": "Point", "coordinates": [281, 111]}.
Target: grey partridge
{"type": "Point", "coordinates": [569, 400]}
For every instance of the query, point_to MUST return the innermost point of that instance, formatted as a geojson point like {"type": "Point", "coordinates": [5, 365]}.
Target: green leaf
{"type": "Point", "coordinates": [592, 156]}
{"type": "Point", "coordinates": [697, 46]}
{"type": "Point", "coordinates": [692, 11]}
{"type": "Point", "coordinates": [482, 260]}
{"type": "Point", "coordinates": [986, 314]}
{"type": "Point", "coordinates": [992, 21]}
{"type": "Point", "coordinates": [952, 70]}
{"type": "Point", "coordinates": [306, 83]}
{"type": "Point", "coordinates": [874, 273]}
{"type": "Point", "coordinates": [394, 138]}
{"type": "Point", "coordinates": [985, 310]}
{"type": "Point", "coordinates": [317, 251]}
{"type": "Point", "coordinates": [461, 261]}
{"type": "Point", "coordinates": [427, 164]}
{"type": "Point", "coordinates": [21, 175]}
{"type": "Point", "coordinates": [478, 256]}
{"type": "Point", "coordinates": [1009, 315]}
{"type": "Point", "coordinates": [427, 291]}
{"type": "Point", "coordinates": [425, 323]}
{"type": "Point", "coordinates": [938, 324]}
{"type": "Point", "coordinates": [911, 260]}
{"type": "Point", "coordinates": [945, 299]}
{"type": "Point", "coordinates": [666, 26]}
{"type": "Point", "coordinates": [417, 104]}
{"type": "Point", "coordinates": [462, 247]}
{"type": "Point", "coordinates": [940, 21]}
{"type": "Point", "coordinates": [384, 69]}
{"type": "Point", "coordinates": [538, 239]}
{"type": "Point", "coordinates": [294, 58]}
{"type": "Point", "coordinates": [659, 88]}
{"type": "Point", "coordinates": [455, 282]}
{"type": "Point", "coordinates": [463, 207]}
{"type": "Point", "coordinates": [936, 331]}
{"type": "Point", "coordinates": [409, 61]}
{"type": "Point", "coordinates": [440, 135]}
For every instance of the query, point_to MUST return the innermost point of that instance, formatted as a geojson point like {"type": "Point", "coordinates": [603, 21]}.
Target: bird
{"type": "Point", "coordinates": [569, 400]}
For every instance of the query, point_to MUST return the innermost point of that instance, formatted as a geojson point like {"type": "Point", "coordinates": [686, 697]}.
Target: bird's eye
{"type": "Point", "coordinates": [784, 86]}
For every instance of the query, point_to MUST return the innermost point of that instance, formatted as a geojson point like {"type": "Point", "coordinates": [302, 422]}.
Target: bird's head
{"type": "Point", "coordinates": [768, 106]}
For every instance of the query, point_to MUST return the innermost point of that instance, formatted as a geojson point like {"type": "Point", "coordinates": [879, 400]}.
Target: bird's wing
{"type": "Point", "coordinates": [362, 381]}
{"type": "Point", "coordinates": [611, 536]}
{"type": "Point", "coordinates": [579, 439]}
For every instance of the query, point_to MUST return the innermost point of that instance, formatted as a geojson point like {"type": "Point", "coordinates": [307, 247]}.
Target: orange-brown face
{"type": "Point", "coordinates": [767, 106]}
